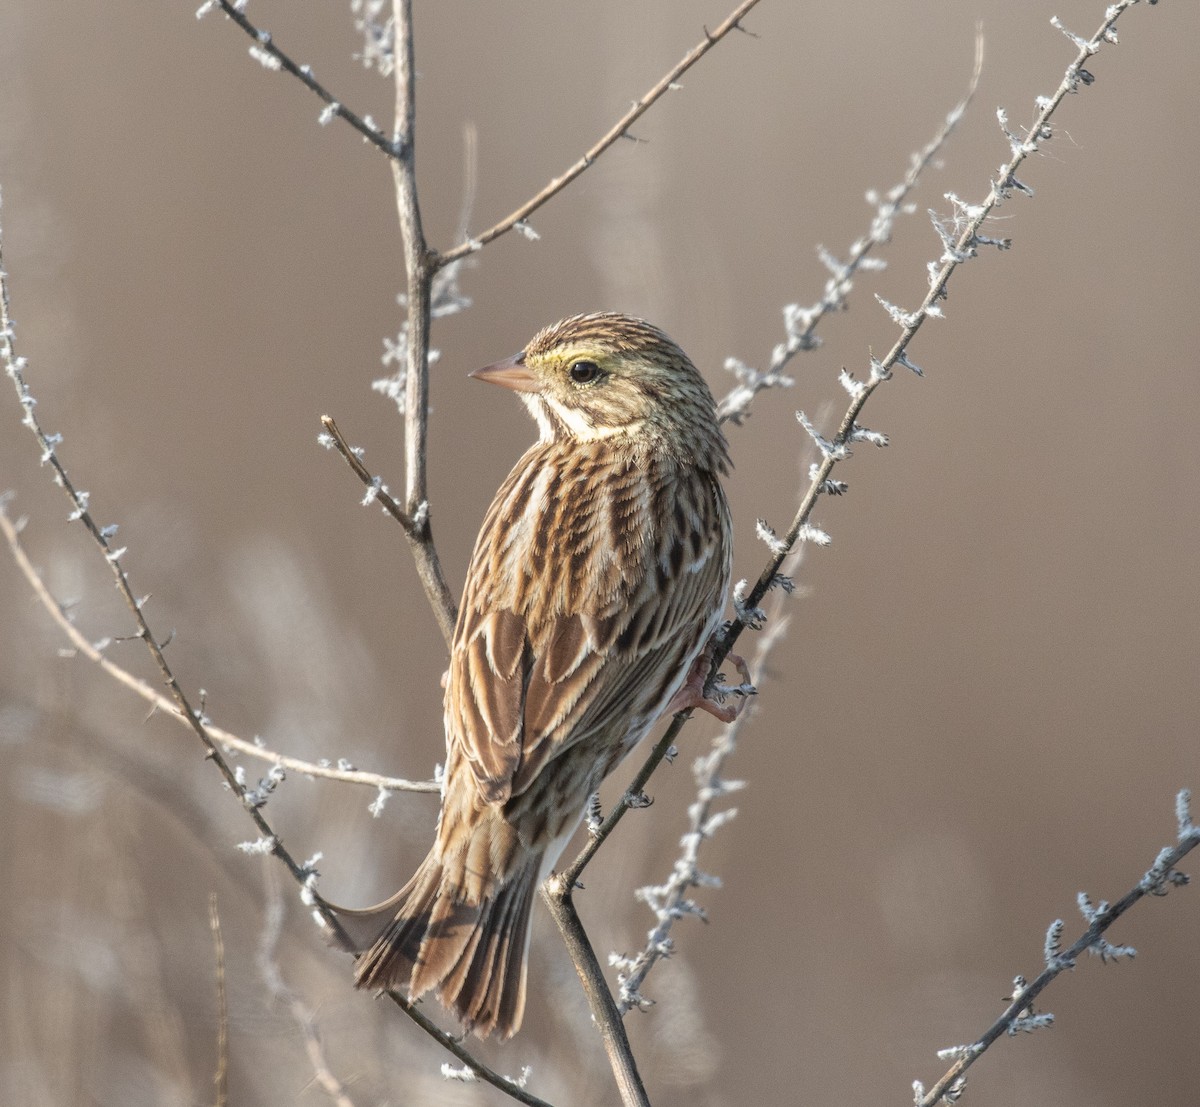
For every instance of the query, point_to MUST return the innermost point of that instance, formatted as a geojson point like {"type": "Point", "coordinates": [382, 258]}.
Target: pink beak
{"type": "Point", "coordinates": [510, 373]}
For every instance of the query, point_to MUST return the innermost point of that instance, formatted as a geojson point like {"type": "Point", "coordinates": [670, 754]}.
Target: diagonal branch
{"type": "Point", "coordinates": [1156, 882]}
{"type": "Point", "coordinates": [15, 368]}
{"type": "Point", "coordinates": [801, 323]}
{"type": "Point", "coordinates": [94, 653]}
{"type": "Point", "coordinates": [618, 130]}
{"type": "Point", "coordinates": [416, 528]}
{"type": "Point", "coordinates": [271, 56]}
{"type": "Point", "coordinates": [670, 900]}
{"type": "Point", "coordinates": [557, 892]}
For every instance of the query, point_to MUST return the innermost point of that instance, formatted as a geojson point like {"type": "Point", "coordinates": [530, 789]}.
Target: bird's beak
{"type": "Point", "coordinates": [511, 373]}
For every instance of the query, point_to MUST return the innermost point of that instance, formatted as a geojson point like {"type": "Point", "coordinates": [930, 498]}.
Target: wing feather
{"type": "Point", "coordinates": [555, 645]}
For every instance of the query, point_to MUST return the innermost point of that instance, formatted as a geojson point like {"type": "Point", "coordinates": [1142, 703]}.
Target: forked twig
{"type": "Point", "coordinates": [959, 247]}
{"type": "Point", "coordinates": [444, 609]}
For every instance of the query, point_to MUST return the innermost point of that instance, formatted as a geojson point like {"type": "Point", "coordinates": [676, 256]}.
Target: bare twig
{"type": "Point", "coordinates": [221, 1076]}
{"type": "Point", "coordinates": [1018, 1015]}
{"type": "Point", "coordinates": [271, 56]}
{"type": "Point", "coordinates": [420, 266]}
{"type": "Point", "coordinates": [93, 652]}
{"type": "Point", "coordinates": [416, 528]}
{"type": "Point", "coordinates": [666, 84]}
{"type": "Point", "coordinates": [556, 891]}
{"type": "Point", "coordinates": [15, 368]}
{"type": "Point", "coordinates": [959, 246]}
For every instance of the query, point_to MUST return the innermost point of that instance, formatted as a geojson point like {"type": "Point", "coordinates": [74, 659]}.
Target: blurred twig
{"type": "Point", "coordinates": [302, 1014]}
{"type": "Point", "coordinates": [221, 1076]}
{"type": "Point", "coordinates": [93, 652]}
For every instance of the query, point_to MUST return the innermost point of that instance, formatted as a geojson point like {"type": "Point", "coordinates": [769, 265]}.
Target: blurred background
{"type": "Point", "coordinates": [988, 695]}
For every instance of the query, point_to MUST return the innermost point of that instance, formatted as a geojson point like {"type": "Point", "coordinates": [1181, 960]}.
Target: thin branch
{"type": "Point", "coordinates": [93, 652]}
{"type": "Point", "coordinates": [1156, 882]}
{"type": "Point", "coordinates": [271, 56]}
{"type": "Point", "coordinates": [512, 1088]}
{"type": "Point", "coordinates": [666, 84]}
{"type": "Point", "coordinates": [415, 527]}
{"type": "Point", "coordinates": [960, 246]}
{"type": "Point", "coordinates": [419, 269]}
{"type": "Point", "coordinates": [556, 891]}
{"type": "Point", "coordinates": [800, 324]}
{"type": "Point", "coordinates": [15, 368]}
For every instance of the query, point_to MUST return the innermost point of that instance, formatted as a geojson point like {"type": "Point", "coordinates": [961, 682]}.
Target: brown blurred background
{"type": "Point", "coordinates": [988, 697]}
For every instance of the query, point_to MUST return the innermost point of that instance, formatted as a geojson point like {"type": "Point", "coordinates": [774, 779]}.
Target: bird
{"type": "Point", "coordinates": [598, 579]}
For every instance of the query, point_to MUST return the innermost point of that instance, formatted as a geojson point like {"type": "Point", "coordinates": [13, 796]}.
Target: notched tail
{"type": "Point", "coordinates": [472, 954]}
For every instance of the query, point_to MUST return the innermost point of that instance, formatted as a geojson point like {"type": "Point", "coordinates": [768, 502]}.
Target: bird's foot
{"type": "Point", "coordinates": [691, 695]}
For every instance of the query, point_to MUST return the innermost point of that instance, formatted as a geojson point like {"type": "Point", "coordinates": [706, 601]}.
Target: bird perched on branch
{"type": "Point", "coordinates": [598, 578]}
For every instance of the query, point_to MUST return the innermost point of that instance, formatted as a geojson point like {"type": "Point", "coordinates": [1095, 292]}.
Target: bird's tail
{"type": "Point", "coordinates": [468, 946]}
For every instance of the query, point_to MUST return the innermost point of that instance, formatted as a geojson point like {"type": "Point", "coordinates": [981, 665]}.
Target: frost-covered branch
{"type": "Point", "coordinates": [800, 323]}
{"type": "Point", "coordinates": [1020, 1015]}
{"type": "Point", "coordinates": [963, 244]}
{"type": "Point", "coordinates": [671, 900]}
{"type": "Point", "coordinates": [960, 243]}
{"type": "Point", "coordinates": [252, 797]}
{"type": "Point", "coordinates": [15, 367]}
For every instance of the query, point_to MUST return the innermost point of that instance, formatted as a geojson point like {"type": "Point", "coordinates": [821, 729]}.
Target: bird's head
{"type": "Point", "coordinates": [607, 375]}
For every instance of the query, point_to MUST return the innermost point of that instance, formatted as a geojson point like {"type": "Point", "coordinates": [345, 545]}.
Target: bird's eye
{"type": "Point", "coordinates": [584, 372]}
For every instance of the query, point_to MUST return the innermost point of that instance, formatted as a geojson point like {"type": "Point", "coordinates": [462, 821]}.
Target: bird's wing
{"type": "Point", "coordinates": [523, 688]}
